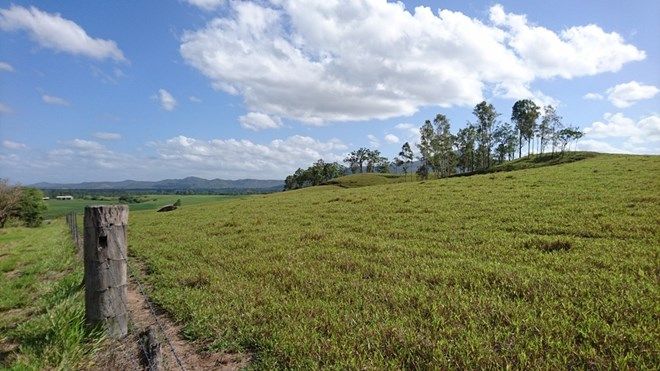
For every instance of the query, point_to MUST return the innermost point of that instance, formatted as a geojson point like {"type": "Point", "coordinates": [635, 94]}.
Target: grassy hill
{"type": "Point", "coordinates": [549, 267]}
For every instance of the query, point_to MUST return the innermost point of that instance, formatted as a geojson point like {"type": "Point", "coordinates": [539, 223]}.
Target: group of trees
{"type": "Point", "coordinates": [367, 159]}
{"type": "Point", "coordinates": [478, 146]}
{"type": "Point", "coordinates": [23, 204]}
{"type": "Point", "coordinates": [487, 141]}
{"type": "Point", "coordinates": [316, 174]}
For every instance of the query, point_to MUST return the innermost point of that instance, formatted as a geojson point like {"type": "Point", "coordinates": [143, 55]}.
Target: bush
{"type": "Point", "coordinates": [32, 207]}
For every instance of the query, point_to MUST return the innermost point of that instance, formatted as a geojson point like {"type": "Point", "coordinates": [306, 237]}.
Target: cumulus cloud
{"type": "Point", "coordinates": [373, 141]}
{"type": "Point", "coordinates": [627, 94]}
{"type": "Point", "coordinates": [258, 121]}
{"type": "Point", "coordinates": [643, 131]}
{"type": "Point", "coordinates": [51, 99]}
{"type": "Point", "coordinates": [598, 146]}
{"type": "Point", "coordinates": [319, 61]}
{"type": "Point", "coordinates": [207, 5]}
{"type": "Point", "coordinates": [13, 145]}
{"type": "Point", "coordinates": [6, 67]}
{"type": "Point", "coordinates": [391, 139]}
{"type": "Point", "coordinates": [409, 131]}
{"type": "Point", "coordinates": [593, 96]}
{"type": "Point", "coordinates": [106, 135]}
{"type": "Point", "coordinates": [57, 33]}
{"type": "Point", "coordinates": [166, 100]}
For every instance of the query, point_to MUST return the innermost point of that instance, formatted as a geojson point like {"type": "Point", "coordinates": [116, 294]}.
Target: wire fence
{"type": "Point", "coordinates": [72, 222]}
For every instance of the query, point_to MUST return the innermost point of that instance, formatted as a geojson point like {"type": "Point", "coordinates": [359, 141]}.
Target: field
{"type": "Point", "coordinates": [41, 301]}
{"type": "Point", "coordinates": [552, 267]}
{"type": "Point", "coordinates": [61, 207]}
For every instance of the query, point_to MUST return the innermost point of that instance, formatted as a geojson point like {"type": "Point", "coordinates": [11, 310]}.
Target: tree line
{"type": "Point", "coordinates": [478, 146]}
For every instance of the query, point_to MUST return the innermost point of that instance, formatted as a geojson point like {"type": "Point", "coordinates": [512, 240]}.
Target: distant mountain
{"type": "Point", "coordinates": [189, 183]}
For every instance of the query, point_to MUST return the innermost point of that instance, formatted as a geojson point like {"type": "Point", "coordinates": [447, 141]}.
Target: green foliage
{"type": "Point", "coordinates": [320, 172]}
{"type": "Point", "coordinates": [41, 301]}
{"type": "Point", "coordinates": [524, 115]}
{"type": "Point", "coordinates": [365, 180]}
{"type": "Point", "coordinates": [31, 207]}
{"type": "Point", "coordinates": [177, 203]}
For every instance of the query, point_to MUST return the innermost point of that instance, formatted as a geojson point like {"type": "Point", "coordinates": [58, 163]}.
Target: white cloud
{"type": "Point", "coordinates": [644, 131]}
{"type": "Point", "coordinates": [166, 100]}
{"type": "Point", "coordinates": [244, 158]}
{"type": "Point", "coordinates": [319, 61]}
{"type": "Point", "coordinates": [13, 145]}
{"type": "Point", "coordinates": [258, 121]}
{"type": "Point", "coordinates": [107, 136]}
{"type": "Point", "coordinates": [593, 96]}
{"type": "Point", "coordinates": [6, 67]}
{"type": "Point", "coordinates": [409, 131]}
{"type": "Point", "coordinates": [194, 99]}
{"type": "Point", "coordinates": [207, 5]}
{"type": "Point", "coordinates": [627, 94]}
{"type": "Point", "coordinates": [51, 99]}
{"type": "Point", "coordinates": [575, 51]}
{"type": "Point", "coordinates": [54, 32]}
{"type": "Point", "coordinates": [373, 141]}
{"type": "Point", "coordinates": [391, 138]}
{"type": "Point", "coordinates": [598, 146]}
{"type": "Point", "coordinates": [4, 109]}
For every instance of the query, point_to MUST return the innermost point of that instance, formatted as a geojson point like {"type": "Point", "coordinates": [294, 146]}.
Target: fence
{"type": "Point", "coordinates": [104, 251]}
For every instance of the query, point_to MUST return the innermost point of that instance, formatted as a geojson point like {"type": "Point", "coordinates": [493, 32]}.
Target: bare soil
{"type": "Point", "coordinates": [126, 354]}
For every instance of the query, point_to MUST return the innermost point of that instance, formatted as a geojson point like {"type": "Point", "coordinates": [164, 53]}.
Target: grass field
{"type": "Point", "coordinates": [41, 301]}
{"type": "Point", "coordinates": [61, 207]}
{"type": "Point", "coordinates": [553, 267]}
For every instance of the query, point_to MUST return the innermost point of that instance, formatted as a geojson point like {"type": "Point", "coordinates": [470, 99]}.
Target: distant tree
{"type": "Point", "coordinates": [32, 207]}
{"type": "Point", "coordinates": [423, 171]}
{"type": "Point", "coordinates": [465, 147]}
{"type": "Point", "coordinates": [524, 115]}
{"type": "Point", "coordinates": [316, 174]}
{"type": "Point", "coordinates": [505, 142]}
{"type": "Point", "coordinates": [397, 163]}
{"type": "Point", "coordinates": [10, 198]}
{"type": "Point", "coordinates": [444, 159]}
{"type": "Point", "coordinates": [549, 123]}
{"type": "Point", "coordinates": [373, 158]}
{"type": "Point", "coordinates": [486, 116]}
{"type": "Point", "coordinates": [426, 143]}
{"type": "Point", "coordinates": [568, 135]}
{"type": "Point", "coordinates": [406, 156]}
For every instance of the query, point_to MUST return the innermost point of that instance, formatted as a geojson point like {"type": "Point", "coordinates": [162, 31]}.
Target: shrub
{"type": "Point", "coordinates": [32, 207]}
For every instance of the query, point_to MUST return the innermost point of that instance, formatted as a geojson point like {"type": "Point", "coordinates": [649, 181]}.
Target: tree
{"type": "Point", "coordinates": [316, 174]}
{"type": "Point", "coordinates": [10, 198]}
{"type": "Point", "coordinates": [426, 143]}
{"type": "Point", "coordinates": [568, 135]}
{"type": "Point", "coordinates": [423, 171]}
{"type": "Point", "coordinates": [505, 142]}
{"type": "Point", "coordinates": [486, 116]}
{"type": "Point", "coordinates": [549, 124]}
{"type": "Point", "coordinates": [524, 115]}
{"type": "Point", "coordinates": [32, 207]}
{"type": "Point", "coordinates": [465, 144]}
{"type": "Point", "coordinates": [373, 158]}
{"type": "Point", "coordinates": [444, 158]}
{"type": "Point", "coordinates": [407, 156]}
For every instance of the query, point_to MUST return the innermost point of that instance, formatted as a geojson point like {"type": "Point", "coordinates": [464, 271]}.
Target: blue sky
{"type": "Point", "coordinates": [160, 89]}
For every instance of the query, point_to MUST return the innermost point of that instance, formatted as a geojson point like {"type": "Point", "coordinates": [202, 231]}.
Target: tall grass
{"type": "Point", "coordinates": [553, 267]}
{"type": "Point", "coordinates": [41, 301]}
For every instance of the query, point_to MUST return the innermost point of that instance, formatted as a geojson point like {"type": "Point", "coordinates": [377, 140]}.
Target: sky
{"type": "Point", "coordinates": [148, 90]}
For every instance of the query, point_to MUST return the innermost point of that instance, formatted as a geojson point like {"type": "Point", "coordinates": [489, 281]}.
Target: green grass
{"type": "Point", "coordinates": [551, 267]}
{"type": "Point", "coordinates": [41, 302]}
{"type": "Point", "coordinates": [367, 179]}
{"type": "Point", "coordinates": [58, 208]}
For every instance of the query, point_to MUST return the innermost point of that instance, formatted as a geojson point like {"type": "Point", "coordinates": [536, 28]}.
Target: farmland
{"type": "Point", "coordinates": [61, 207]}
{"type": "Point", "coordinates": [548, 267]}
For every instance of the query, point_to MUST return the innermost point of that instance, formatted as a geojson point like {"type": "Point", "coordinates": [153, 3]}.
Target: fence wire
{"type": "Point", "coordinates": [72, 222]}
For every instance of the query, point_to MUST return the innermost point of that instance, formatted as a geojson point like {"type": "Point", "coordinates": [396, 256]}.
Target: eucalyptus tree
{"type": "Point", "coordinates": [550, 123]}
{"type": "Point", "coordinates": [444, 158]}
{"type": "Point", "coordinates": [406, 156]}
{"type": "Point", "coordinates": [486, 116]}
{"type": "Point", "coordinates": [524, 115]}
{"type": "Point", "coordinates": [465, 145]}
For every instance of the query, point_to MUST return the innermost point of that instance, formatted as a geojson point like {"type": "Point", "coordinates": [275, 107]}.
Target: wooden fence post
{"type": "Point", "coordinates": [105, 268]}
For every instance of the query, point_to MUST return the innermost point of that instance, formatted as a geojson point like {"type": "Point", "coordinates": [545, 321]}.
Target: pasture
{"type": "Point", "coordinates": [552, 267]}
{"type": "Point", "coordinates": [58, 208]}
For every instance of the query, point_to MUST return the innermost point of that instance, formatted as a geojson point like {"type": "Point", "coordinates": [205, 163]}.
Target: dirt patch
{"type": "Point", "coordinates": [12, 274]}
{"type": "Point", "coordinates": [126, 354]}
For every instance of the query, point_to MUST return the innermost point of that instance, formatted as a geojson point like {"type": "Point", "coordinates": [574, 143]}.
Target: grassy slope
{"type": "Point", "coordinates": [58, 208]}
{"type": "Point", "coordinates": [41, 303]}
{"type": "Point", "coordinates": [448, 273]}
{"type": "Point", "coordinates": [367, 179]}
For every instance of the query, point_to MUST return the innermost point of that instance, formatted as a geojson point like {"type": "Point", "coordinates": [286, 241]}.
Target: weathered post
{"type": "Point", "coordinates": [105, 268]}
